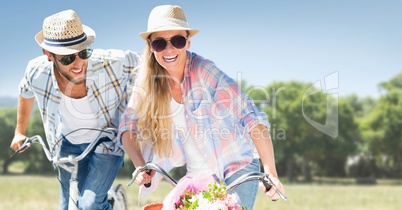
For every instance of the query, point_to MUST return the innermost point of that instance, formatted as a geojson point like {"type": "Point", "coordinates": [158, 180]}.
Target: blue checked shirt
{"type": "Point", "coordinates": [219, 115]}
{"type": "Point", "coordinates": [109, 80]}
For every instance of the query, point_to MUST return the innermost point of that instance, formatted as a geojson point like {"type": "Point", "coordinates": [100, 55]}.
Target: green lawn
{"type": "Point", "coordinates": [42, 193]}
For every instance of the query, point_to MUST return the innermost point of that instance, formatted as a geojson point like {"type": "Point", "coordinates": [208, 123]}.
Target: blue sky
{"type": "Point", "coordinates": [258, 41]}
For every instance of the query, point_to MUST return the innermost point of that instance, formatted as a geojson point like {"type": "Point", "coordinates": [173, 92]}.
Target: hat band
{"type": "Point", "coordinates": [65, 42]}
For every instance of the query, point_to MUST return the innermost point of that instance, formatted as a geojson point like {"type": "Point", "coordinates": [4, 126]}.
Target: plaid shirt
{"type": "Point", "coordinates": [109, 75]}
{"type": "Point", "coordinates": [219, 115]}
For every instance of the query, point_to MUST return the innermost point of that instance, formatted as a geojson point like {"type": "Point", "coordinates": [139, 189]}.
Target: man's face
{"type": "Point", "coordinates": [72, 67]}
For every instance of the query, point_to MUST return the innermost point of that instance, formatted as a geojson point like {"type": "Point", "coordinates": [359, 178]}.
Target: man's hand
{"type": "Point", "coordinates": [17, 142]}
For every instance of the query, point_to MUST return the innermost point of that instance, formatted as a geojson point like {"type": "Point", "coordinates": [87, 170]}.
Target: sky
{"type": "Point", "coordinates": [351, 46]}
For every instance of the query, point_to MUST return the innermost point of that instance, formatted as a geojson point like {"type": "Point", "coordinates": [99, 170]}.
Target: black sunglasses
{"type": "Point", "coordinates": [159, 44]}
{"type": "Point", "coordinates": [69, 59]}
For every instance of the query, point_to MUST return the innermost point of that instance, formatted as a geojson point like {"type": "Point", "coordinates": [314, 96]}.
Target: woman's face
{"type": "Point", "coordinates": [173, 56]}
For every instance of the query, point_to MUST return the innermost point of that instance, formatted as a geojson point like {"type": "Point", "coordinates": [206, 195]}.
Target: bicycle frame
{"type": "Point", "coordinates": [73, 169]}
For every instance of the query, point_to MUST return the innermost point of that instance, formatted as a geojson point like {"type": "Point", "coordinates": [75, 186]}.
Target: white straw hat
{"type": "Point", "coordinates": [64, 34]}
{"type": "Point", "coordinates": [166, 18]}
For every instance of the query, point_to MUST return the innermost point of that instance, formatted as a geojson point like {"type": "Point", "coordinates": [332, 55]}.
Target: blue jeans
{"type": "Point", "coordinates": [247, 191]}
{"type": "Point", "coordinates": [96, 173]}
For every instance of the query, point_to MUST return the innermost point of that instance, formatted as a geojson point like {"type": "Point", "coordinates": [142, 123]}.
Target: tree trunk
{"type": "Point", "coordinates": [398, 164]}
{"type": "Point", "coordinates": [6, 163]}
{"type": "Point", "coordinates": [289, 169]}
{"type": "Point", "coordinates": [307, 170]}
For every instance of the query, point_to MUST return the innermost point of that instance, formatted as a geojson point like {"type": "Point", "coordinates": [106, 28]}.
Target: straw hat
{"type": "Point", "coordinates": [64, 34]}
{"type": "Point", "coordinates": [165, 18]}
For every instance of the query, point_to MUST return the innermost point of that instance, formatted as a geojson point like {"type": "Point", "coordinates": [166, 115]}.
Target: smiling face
{"type": "Point", "coordinates": [74, 72]}
{"type": "Point", "coordinates": [170, 58]}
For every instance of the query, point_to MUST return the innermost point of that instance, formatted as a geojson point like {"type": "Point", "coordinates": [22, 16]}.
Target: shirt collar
{"type": "Point", "coordinates": [187, 66]}
{"type": "Point", "coordinates": [90, 75]}
{"type": "Point", "coordinates": [55, 84]}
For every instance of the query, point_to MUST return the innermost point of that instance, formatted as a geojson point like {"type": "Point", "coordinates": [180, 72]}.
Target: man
{"type": "Point", "coordinates": [79, 91]}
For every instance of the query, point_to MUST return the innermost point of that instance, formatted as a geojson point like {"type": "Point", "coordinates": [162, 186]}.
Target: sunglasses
{"type": "Point", "coordinates": [69, 59]}
{"type": "Point", "coordinates": [159, 44]}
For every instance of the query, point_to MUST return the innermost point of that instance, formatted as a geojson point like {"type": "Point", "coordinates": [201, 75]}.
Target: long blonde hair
{"type": "Point", "coordinates": [154, 123]}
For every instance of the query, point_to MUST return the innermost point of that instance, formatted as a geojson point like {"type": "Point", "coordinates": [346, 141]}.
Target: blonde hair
{"type": "Point", "coordinates": [154, 123]}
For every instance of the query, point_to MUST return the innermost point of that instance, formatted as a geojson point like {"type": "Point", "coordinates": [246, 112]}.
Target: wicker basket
{"type": "Point", "coordinates": [153, 206]}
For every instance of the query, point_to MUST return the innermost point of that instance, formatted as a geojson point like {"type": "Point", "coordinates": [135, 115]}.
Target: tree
{"type": "Point", "coordinates": [386, 123]}
{"type": "Point", "coordinates": [300, 144]}
{"type": "Point", "coordinates": [34, 157]}
{"type": "Point", "coordinates": [363, 163]}
{"type": "Point", "coordinates": [361, 107]}
{"type": "Point", "coordinates": [344, 145]}
{"type": "Point", "coordinates": [7, 126]}
{"type": "Point", "coordinates": [38, 164]}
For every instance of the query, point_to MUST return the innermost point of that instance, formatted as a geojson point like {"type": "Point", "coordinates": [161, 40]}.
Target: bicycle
{"type": "Point", "coordinates": [116, 195]}
{"type": "Point", "coordinates": [266, 181]}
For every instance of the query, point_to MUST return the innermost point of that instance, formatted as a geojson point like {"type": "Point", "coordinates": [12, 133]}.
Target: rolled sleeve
{"type": "Point", "coordinates": [131, 64]}
{"type": "Point", "coordinates": [127, 123]}
{"type": "Point", "coordinates": [24, 88]}
{"type": "Point", "coordinates": [232, 97]}
{"type": "Point", "coordinates": [255, 118]}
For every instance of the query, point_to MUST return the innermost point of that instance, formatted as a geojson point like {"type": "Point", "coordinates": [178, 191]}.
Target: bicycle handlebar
{"type": "Point", "coordinates": [264, 178]}
{"type": "Point", "coordinates": [95, 142]}
{"type": "Point", "coordinates": [51, 158]}
{"type": "Point", "coordinates": [152, 166]}
{"type": "Point", "coordinates": [27, 143]}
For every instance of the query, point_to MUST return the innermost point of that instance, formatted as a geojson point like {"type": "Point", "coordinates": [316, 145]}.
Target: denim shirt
{"type": "Point", "coordinates": [219, 115]}
{"type": "Point", "coordinates": [108, 81]}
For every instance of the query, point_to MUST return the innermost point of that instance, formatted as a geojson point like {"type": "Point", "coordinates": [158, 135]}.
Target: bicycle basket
{"type": "Point", "coordinates": [153, 206]}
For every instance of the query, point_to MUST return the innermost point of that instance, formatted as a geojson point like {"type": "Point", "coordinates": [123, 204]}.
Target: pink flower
{"type": "Point", "coordinates": [192, 188]}
{"type": "Point", "coordinates": [215, 197]}
{"type": "Point", "coordinates": [200, 192]}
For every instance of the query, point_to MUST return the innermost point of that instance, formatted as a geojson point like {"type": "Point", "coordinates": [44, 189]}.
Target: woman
{"type": "Point", "coordinates": [185, 111]}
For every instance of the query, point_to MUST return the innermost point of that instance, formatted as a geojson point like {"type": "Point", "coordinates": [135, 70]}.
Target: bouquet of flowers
{"type": "Point", "coordinates": [214, 198]}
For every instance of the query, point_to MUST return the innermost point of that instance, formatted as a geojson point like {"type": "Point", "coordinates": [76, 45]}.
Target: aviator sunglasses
{"type": "Point", "coordinates": [159, 44]}
{"type": "Point", "coordinates": [68, 59]}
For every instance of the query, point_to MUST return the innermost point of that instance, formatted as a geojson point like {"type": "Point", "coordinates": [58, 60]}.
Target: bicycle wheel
{"type": "Point", "coordinates": [120, 198]}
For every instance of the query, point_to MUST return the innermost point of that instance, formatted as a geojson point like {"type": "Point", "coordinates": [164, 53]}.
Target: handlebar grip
{"type": "Point", "coordinates": [26, 144]}
{"type": "Point", "coordinates": [147, 185]}
{"type": "Point", "coordinates": [267, 185]}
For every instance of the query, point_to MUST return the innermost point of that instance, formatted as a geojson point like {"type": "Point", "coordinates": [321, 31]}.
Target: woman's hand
{"type": "Point", "coordinates": [144, 177]}
{"type": "Point", "coordinates": [271, 193]}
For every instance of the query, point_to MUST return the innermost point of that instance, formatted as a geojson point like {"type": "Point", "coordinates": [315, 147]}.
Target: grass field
{"type": "Point", "coordinates": [42, 193]}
